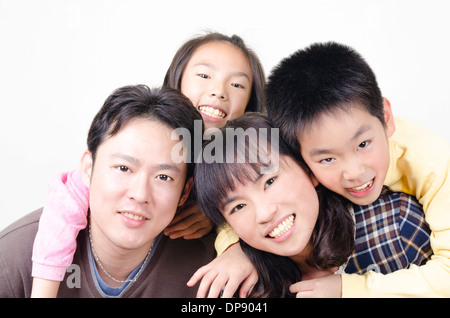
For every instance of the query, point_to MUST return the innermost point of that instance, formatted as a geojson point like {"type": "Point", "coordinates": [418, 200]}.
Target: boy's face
{"type": "Point", "coordinates": [135, 187]}
{"type": "Point", "coordinates": [348, 152]}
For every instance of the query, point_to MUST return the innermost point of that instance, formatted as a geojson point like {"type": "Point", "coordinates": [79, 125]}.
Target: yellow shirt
{"type": "Point", "coordinates": [419, 166]}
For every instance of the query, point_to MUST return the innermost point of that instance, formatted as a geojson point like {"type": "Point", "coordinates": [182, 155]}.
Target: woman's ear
{"type": "Point", "coordinates": [388, 117]}
{"type": "Point", "coordinates": [86, 168]}
{"type": "Point", "coordinates": [186, 191]}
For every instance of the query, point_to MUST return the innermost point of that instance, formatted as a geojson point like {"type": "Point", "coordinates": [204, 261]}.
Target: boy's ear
{"type": "Point", "coordinates": [388, 117]}
{"type": "Point", "coordinates": [86, 168]}
{"type": "Point", "coordinates": [186, 191]}
{"type": "Point", "coordinates": [314, 181]}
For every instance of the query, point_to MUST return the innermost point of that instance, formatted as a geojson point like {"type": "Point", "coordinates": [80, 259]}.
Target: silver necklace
{"type": "Point", "coordinates": [97, 260]}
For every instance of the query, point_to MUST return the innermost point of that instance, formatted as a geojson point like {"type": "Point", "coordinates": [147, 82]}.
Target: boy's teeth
{"type": "Point", "coordinates": [363, 187]}
{"type": "Point", "coordinates": [283, 227]}
{"type": "Point", "coordinates": [212, 112]}
{"type": "Point", "coordinates": [133, 216]}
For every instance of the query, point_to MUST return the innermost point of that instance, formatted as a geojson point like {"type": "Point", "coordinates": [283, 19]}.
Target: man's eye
{"type": "Point", "coordinates": [164, 177]}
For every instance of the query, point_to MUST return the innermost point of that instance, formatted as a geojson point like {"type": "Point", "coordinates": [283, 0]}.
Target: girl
{"type": "Point", "coordinates": [291, 227]}
{"type": "Point", "coordinates": [223, 79]}
{"type": "Point", "coordinates": [287, 228]}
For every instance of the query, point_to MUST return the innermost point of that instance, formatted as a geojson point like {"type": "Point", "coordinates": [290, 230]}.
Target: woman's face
{"type": "Point", "coordinates": [276, 213]}
{"type": "Point", "coordinates": [218, 81]}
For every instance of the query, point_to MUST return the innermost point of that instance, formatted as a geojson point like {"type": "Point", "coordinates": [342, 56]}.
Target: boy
{"type": "Point", "coordinates": [327, 103]}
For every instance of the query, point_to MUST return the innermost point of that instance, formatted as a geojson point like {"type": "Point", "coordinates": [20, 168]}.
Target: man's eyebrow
{"type": "Point", "coordinates": [322, 151]}
{"type": "Point", "coordinates": [158, 166]}
{"type": "Point", "coordinates": [125, 157]}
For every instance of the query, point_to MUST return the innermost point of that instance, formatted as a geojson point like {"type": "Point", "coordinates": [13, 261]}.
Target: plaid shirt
{"type": "Point", "coordinates": [390, 234]}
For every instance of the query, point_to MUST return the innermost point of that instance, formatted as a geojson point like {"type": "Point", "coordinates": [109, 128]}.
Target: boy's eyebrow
{"type": "Point", "coordinates": [321, 151]}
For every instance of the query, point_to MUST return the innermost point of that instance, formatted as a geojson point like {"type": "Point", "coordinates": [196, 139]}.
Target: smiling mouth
{"type": "Point", "coordinates": [133, 216]}
{"type": "Point", "coordinates": [212, 112]}
{"type": "Point", "coordinates": [283, 227]}
{"type": "Point", "coordinates": [363, 187]}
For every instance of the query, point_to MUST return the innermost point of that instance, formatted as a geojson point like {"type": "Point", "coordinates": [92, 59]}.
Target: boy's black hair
{"type": "Point", "coordinates": [319, 79]}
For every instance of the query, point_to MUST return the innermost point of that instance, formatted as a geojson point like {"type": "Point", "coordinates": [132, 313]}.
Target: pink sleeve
{"type": "Point", "coordinates": [63, 216]}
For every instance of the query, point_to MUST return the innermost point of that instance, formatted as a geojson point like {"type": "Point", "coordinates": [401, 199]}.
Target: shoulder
{"type": "Point", "coordinates": [27, 224]}
{"type": "Point", "coordinates": [16, 247]}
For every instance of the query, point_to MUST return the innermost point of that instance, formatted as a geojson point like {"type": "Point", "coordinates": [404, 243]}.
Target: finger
{"type": "Point", "coordinates": [197, 276]}
{"type": "Point", "coordinates": [216, 287]}
{"type": "Point", "coordinates": [248, 285]}
{"type": "Point", "coordinates": [230, 288]}
{"type": "Point", "coordinates": [205, 284]}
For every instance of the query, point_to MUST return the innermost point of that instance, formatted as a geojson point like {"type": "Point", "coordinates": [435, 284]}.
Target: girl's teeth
{"type": "Point", "coordinates": [133, 216]}
{"type": "Point", "coordinates": [283, 227]}
{"type": "Point", "coordinates": [212, 112]}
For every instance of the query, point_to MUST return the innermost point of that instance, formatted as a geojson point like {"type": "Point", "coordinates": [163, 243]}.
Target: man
{"type": "Point", "coordinates": [135, 188]}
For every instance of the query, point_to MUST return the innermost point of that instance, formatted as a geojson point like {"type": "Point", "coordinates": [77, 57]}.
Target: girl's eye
{"type": "Point", "coordinates": [237, 208]}
{"type": "Point", "coordinates": [203, 75]}
{"type": "Point", "coordinates": [123, 168]}
{"type": "Point", "coordinates": [237, 85]}
{"type": "Point", "coordinates": [269, 183]}
{"type": "Point", "coordinates": [363, 145]}
{"type": "Point", "coordinates": [164, 177]}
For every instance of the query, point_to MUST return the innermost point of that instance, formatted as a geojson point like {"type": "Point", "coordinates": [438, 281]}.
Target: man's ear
{"type": "Point", "coordinates": [86, 168]}
{"type": "Point", "coordinates": [388, 117]}
{"type": "Point", "coordinates": [186, 191]}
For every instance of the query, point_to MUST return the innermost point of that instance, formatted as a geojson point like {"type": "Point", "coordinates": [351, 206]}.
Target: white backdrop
{"type": "Point", "coordinates": [60, 59]}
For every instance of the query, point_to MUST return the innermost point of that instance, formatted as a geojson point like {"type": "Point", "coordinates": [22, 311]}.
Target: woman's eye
{"type": "Point", "coordinates": [237, 208]}
{"type": "Point", "coordinates": [269, 183]}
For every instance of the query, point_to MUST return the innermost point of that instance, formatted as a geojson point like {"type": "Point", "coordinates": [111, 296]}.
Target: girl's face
{"type": "Point", "coordinates": [218, 81]}
{"type": "Point", "coordinates": [276, 213]}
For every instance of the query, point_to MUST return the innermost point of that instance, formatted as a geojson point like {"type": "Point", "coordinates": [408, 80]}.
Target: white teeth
{"type": "Point", "coordinates": [364, 187]}
{"type": "Point", "coordinates": [133, 216]}
{"type": "Point", "coordinates": [212, 112]}
{"type": "Point", "coordinates": [283, 227]}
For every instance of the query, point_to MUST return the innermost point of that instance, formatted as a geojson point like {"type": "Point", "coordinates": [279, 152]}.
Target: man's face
{"type": "Point", "coordinates": [135, 187]}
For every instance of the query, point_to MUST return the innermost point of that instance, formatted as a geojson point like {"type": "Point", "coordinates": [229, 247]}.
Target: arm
{"type": "Point", "coordinates": [420, 166]}
{"type": "Point", "coordinates": [63, 216]}
{"type": "Point", "coordinates": [226, 273]}
{"type": "Point", "coordinates": [189, 223]}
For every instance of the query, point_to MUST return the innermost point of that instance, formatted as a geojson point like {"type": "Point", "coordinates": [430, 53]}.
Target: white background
{"type": "Point", "coordinates": [60, 59]}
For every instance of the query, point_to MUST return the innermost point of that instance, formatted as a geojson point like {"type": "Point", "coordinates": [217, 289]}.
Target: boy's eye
{"type": "Point", "coordinates": [237, 208]}
{"type": "Point", "coordinates": [327, 160]}
{"type": "Point", "coordinates": [269, 183]}
{"type": "Point", "coordinates": [363, 145]}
